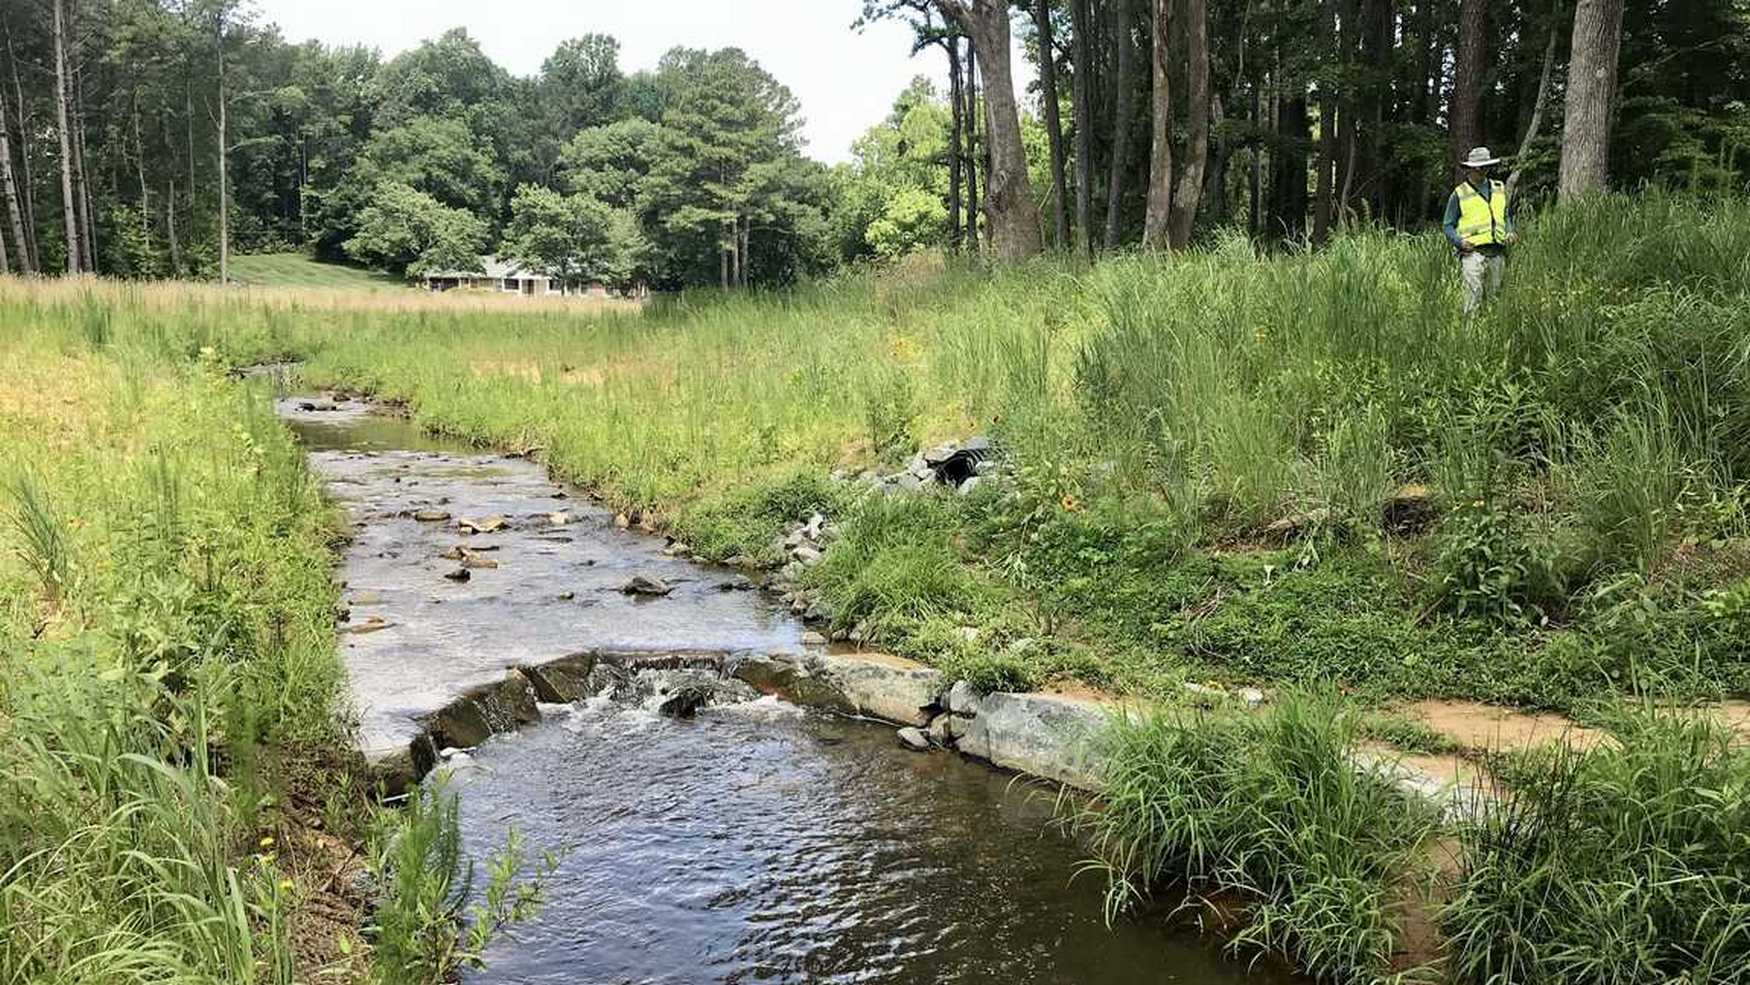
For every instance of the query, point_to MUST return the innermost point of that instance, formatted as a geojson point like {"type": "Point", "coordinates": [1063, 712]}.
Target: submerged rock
{"type": "Point", "coordinates": [431, 516]}
{"type": "Point", "coordinates": [484, 525]}
{"type": "Point", "coordinates": [685, 700]}
{"type": "Point", "coordinates": [646, 585]}
{"type": "Point", "coordinates": [460, 574]}
{"type": "Point", "coordinates": [914, 739]}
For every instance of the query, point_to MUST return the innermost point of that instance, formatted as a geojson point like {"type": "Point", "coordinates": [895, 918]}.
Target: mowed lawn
{"type": "Point", "coordinates": [299, 270]}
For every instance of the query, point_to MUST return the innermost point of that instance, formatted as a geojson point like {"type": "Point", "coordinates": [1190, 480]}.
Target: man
{"type": "Point", "coordinates": [1479, 228]}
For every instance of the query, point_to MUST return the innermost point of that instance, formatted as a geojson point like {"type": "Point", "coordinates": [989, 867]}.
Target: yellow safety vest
{"type": "Point", "coordinates": [1482, 221]}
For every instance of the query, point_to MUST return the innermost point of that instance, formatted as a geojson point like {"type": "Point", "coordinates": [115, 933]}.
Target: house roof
{"type": "Point", "coordinates": [492, 266]}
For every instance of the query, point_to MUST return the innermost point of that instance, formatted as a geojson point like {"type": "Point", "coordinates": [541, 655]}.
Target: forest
{"type": "Point", "coordinates": [154, 138]}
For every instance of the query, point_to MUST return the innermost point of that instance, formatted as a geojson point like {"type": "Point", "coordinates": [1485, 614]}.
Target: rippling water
{"type": "Point", "coordinates": [756, 843]}
{"type": "Point", "coordinates": [759, 843]}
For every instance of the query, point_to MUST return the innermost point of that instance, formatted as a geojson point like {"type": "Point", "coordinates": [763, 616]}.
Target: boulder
{"type": "Point", "coordinates": [431, 516]}
{"type": "Point", "coordinates": [970, 485]}
{"type": "Point", "coordinates": [892, 688]}
{"type": "Point", "coordinates": [484, 525]}
{"type": "Point", "coordinates": [963, 698]}
{"type": "Point", "coordinates": [685, 699]}
{"type": "Point", "coordinates": [647, 585]}
{"type": "Point", "coordinates": [1046, 735]}
{"type": "Point", "coordinates": [914, 739]}
{"type": "Point", "coordinates": [941, 730]}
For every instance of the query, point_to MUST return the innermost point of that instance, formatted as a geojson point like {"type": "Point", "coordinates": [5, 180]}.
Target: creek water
{"type": "Point", "coordinates": [757, 842]}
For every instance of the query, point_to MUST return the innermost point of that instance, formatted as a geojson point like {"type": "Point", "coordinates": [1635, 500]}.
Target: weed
{"type": "Point", "coordinates": [42, 538]}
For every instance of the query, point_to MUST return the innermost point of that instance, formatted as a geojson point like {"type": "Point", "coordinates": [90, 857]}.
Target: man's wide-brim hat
{"type": "Point", "coordinates": [1480, 157]}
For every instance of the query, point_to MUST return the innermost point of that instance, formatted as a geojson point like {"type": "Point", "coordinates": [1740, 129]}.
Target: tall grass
{"type": "Point", "coordinates": [1600, 411]}
{"type": "Point", "coordinates": [1625, 863]}
{"type": "Point", "coordinates": [168, 614]}
{"type": "Point", "coordinates": [1264, 815]}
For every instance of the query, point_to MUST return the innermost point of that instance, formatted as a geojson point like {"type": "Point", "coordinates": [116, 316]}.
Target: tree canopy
{"type": "Point", "coordinates": [1284, 118]}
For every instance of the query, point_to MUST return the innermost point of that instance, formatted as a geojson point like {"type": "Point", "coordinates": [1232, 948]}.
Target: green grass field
{"type": "Point", "coordinates": [299, 270]}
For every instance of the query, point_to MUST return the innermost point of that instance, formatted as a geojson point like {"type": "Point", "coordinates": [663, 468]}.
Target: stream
{"type": "Point", "coordinates": [755, 842]}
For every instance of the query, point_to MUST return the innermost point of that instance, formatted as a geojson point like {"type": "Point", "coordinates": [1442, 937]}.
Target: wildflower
{"type": "Point", "coordinates": [267, 841]}
{"type": "Point", "coordinates": [285, 885]}
{"type": "Point", "coordinates": [1070, 504]}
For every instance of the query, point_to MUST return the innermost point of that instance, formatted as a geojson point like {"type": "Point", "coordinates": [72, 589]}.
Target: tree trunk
{"type": "Point", "coordinates": [33, 256]}
{"type": "Point", "coordinates": [1288, 174]}
{"type": "Point", "coordinates": [9, 187]}
{"type": "Point", "coordinates": [170, 227]}
{"type": "Point", "coordinates": [971, 148]}
{"type": "Point", "coordinates": [224, 170]}
{"type": "Point", "coordinates": [1013, 221]}
{"type": "Point", "coordinates": [956, 235]}
{"type": "Point", "coordinates": [1537, 108]}
{"type": "Point", "coordinates": [1255, 177]}
{"type": "Point", "coordinates": [1591, 93]}
{"type": "Point", "coordinates": [68, 205]}
{"type": "Point", "coordinates": [1053, 124]}
{"type": "Point", "coordinates": [1158, 212]}
{"type": "Point", "coordinates": [81, 177]}
{"type": "Point", "coordinates": [1186, 196]}
{"type": "Point", "coordinates": [1467, 74]}
{"type": "Point", "coordinates": [1123, 115]}
{"type": "Point", "coordinates": [1326, 160]}
{"type": "Point", "coordinates": [1084, 121]}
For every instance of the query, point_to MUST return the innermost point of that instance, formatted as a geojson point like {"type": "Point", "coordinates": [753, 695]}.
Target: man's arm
{"type": "Point", "coordinates": [1450, 223]}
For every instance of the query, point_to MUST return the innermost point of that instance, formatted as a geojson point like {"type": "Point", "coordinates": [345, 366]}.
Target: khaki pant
{"type": "Point", "coordinates": [1482, 277]}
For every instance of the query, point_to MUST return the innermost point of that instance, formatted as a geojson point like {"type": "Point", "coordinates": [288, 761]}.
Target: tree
{"type": "Point", "coordinates": [1591, 92]}
{"type": "Point", "coordinates": [1467, 76]}
{"type": "Point", "coordinates": [581, 85]}
{"type": "Point", "coordinates": [1157, 218]}
{"type": "Point", "coordinates": [1081, 56]}
{"type": "Point", "coordinates": [573, 238]}
{"type": "Point", "coordinates": [68, 205]}
{"type": "Point", "coordinates": [1123, 114]}
{"type": "Point", "coordinates": [1190, 190]}
{"type": "Point", "coordinates": [441, 157]}
{"type": "Point", "coordinates": [408, 232]}
{"type": "Point", "coordinates": [1012, 219]}
{"type": "Point", "coordinates": [1053, 125]}
{"type": "Point", "coordinates": [610, 162]}
{"type": "Point", "coordinates": [9, 189]}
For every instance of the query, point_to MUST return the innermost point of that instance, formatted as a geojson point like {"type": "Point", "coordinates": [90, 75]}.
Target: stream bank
{"type": "Point", "coordinates": [487, 610]}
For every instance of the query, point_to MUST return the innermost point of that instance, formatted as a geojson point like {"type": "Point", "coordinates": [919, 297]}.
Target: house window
{"type": "Point", "coordinates": [555, 287]}
{"type": "Point", "coordinates": [510, 284]}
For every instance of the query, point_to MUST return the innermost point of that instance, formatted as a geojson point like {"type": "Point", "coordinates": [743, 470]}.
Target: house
{"type": "Point", "coordinates": [507, 277]}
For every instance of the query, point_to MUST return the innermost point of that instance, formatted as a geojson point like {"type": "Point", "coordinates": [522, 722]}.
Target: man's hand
{"type": "Point", "coordinates": [1464, 247]}
{"type": "Point", "coordinates": [1512, 239]}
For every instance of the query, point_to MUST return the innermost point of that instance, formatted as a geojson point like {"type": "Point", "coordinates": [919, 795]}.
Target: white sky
{"type": "Point", "coordinates": [845, 80]}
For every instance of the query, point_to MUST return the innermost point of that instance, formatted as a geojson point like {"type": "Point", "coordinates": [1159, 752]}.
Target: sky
{"type": "Point", "coordinates": [845, 80]}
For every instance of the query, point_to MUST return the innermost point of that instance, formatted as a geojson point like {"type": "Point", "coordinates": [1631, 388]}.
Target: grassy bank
{"type": "Point", "coordinates": [1301, 468]}
{"type": "Point", "coordinates": [168, 661]}
{"type": "Point", "coordinates": [178, 797]}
